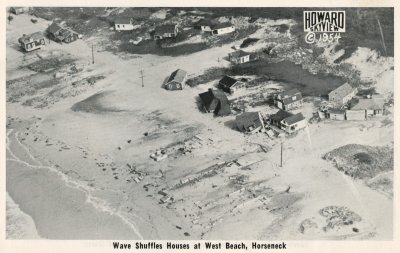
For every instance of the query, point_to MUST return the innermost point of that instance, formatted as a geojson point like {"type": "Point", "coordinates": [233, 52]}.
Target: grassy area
{"type": "Point", "coordinates": [360, 161]}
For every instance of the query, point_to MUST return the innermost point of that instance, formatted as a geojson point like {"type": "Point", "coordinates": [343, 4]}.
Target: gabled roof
{"type": "Point", "coordinates": [215, 99]}
{"type": "Point", "coordinates": [248, 120]}
{"type": "Point", "coordinates": [205, 22]}
{"type": "Point", "coordinates": [342, 90]}
{"type": "Point", "coordinates": [290, 96]}
{"type": "Point", "coordinates": [280, 115]}
{"type": "Point", "coordinates": [294, 118]}
{"type": "Point", "coordinates": [178, 75]}
{"type": "Point", "coordinates": [123, 20]}
{"type": "Point", "coordinates": [165, 29]}
{"type": "Point", "coordinates": [54, 28]}
{"type": "Point", "coordinates": [238, 53]}
{"type": "Point", "coordinates": [31, 37]}
{"type": "Point", "coordinates": [368, 104]}
{"type": "Point", "coordinates": [221, 25]}
{"type": "Point", "coordinates": [228, 81]}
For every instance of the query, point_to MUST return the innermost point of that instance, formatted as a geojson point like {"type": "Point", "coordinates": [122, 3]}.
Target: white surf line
{"type": "Point", "coordinates": [26, 149]}
{"type": "Point", "coordinates": [8, 144]}
{"type": "Point", "coordinates": [98, 203]}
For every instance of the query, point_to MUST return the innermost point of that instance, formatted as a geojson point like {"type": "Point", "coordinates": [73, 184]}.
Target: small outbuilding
{"type": "Point", "coordinates": [288, 100]}
{"type": "Point", "coordinates": [165, 31]}
{"type": "Point", "coordinates": [230, 85]}
{"type": "Point", "coordinates": [250, 122]}
{"type": "Point", "coordinates": [19, 10]}
{"type": "Point", "coordinates": [215, 101]}
{"type": "Point", "coordinates": [336, 114]}
{"type": "Point", "coordinates": [176, 80]}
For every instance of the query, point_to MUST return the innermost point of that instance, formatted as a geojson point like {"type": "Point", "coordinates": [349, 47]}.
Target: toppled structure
{"type": "Point", "coordinates": [250, 122]}
{"type": "Point", "coordinates": [215, 101]}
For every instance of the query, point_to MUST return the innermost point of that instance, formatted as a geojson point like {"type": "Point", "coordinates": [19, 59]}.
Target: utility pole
{"type": "Point", "coordinates": [142, 76]}
{"type": "Point", "coordinates": [92, 54]}
{"type": "Point", "coordinates": [281, 154]}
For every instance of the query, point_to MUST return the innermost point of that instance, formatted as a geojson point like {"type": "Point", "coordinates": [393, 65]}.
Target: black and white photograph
{"type": "Point", "coordinates": [199, 123]}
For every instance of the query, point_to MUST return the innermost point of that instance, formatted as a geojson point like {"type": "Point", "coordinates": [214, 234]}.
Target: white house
{"type": "Point", "coordinates": [123, 24]}
{"type": "Point", "coordinates": [223, 28]}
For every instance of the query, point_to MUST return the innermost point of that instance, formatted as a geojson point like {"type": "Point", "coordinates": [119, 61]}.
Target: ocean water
{"type": "Point", "coordinates": [19, 225]}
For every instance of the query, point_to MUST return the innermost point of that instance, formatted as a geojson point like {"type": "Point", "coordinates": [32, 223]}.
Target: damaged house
{"type": "Point", "coordinates": [230, 85]}
{"type": "Point", "coordinates": [176, 80]}
{"type": "Point", "coordinates": [215, 101]}
{"type": "Point", "coordinates": [287, 121]}
{"type": "Point", "coordinates": [250, 122]}
{"type": "Point", "coordinates": [61, 34]}
{"type": "Point", "coordinates": [289, 100]}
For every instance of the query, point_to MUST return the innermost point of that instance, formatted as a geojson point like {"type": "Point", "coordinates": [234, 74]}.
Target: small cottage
{"type": "Point", "coordinates": [342, 94]}
{"type": "Point", "coordinates": [287, 121]}
{"type": "Point", "coordinates": [61, 34]}
{"type": "Point", "coordinates": [215, 101]}
{"type": "Point", "coordinates": [32, 41]}
{"type": "Point", "coordinates": [369, 107]}
{"type": "Point", "coordinates": [123, 24]}
{"type": "Point", "coordinates": [288, 100]}
{"type": "Point", "coordinates": [230, 85]}
{"type": "Point", "coordinates": [222, 28]}
{"type": "Point", "coordinates": [165, 31]}
{"type": "Point", "coordinates": [239, 57]}
{"type": "Point", "coordinates": [176, 80]}
{"type": "Point", "coordinates": [250, 122]}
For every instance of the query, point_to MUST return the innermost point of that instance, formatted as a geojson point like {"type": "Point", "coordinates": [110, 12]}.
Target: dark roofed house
{"type": "Point", "coordinates": [230, 85]}
{"type": "Point", "coordinates": [287, 121]}
{"type": "Point", "coordinates": [250, 122]}
{"type": "Point", "coordinates": [32, 41]}
{"type": "Point", "coordinates": [239, 56]}
{"type": "Point", "coordinates": [165, 31]}
{"type": "Point", "coordinates": [123, 24]}
{"type": "Point", "coordinates": [61, 34]}
{"type": "Point", "coordinates": [215, 101]}
{"type": "Point", "coordinates": [176, 80]}
{"type": "Point", "coordinates": [289, 100]}
{"type": "Point", "coordinates": [342, 94]}
{"type": "Point", "coordinates": [205, 24]}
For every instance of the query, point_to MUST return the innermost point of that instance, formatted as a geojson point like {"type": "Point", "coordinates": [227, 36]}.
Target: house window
{"type": "Point", "coordinates": [178, 86]}
{"type": "Point", "coordinates": [123, 26]}
{"type": "Point", "coordinates": [117, 26]}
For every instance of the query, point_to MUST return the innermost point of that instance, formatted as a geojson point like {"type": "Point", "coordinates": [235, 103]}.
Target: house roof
{"type": "Point", "coordinates": [212, 98]}
{"type": "Point", "coordinates": [368, 104]}
{"type": "Point", "coordinates": [221, 25]}
{"type": "Point", "coordinates": [294, 118]}
{"type": "Point", "coordinates": [291, 96]}
{"type": "Point", "coordinates": [247, 120]}
{"type": "Point", "coordinates": [165, 29]}
{"type": "Point", "coordinates": [178, 75]}
{"type": "Point", "coordinates": [205, 22]}
{"type": "Point", "coordinates": [54, 28]}
{"type": "Point", "coordinates": [228, 81]}
{"type": "Point", "coordinates": [123, 20]}
{"type": "Point", "coordinates": [280, 115]}
{"type": "Point", "coordinates": [337, 111]}
{"type": "Point", "coordinates": [31, 37]}
{"type": "Point", "coordinates": [342, 90]}
{"type": "Point", "coordinates": [238, 53]}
